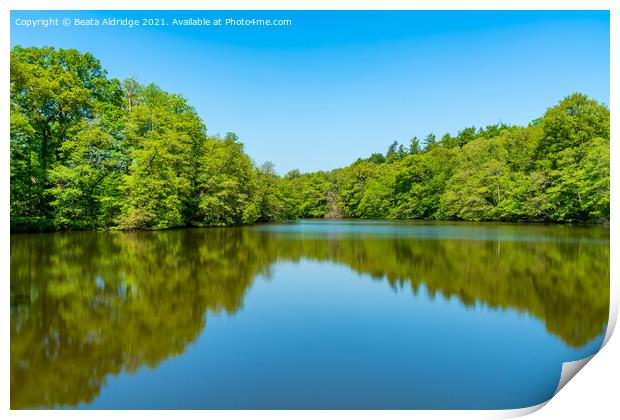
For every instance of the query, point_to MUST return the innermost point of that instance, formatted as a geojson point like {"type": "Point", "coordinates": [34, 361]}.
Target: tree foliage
{"type": "Point", "coordinates": [88, 151]}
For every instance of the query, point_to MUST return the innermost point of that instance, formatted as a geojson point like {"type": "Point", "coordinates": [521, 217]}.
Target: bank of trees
{"type": "Point", "coordinates": [554, 170]}
{"type": "Point", "coordinates": [88, 151]}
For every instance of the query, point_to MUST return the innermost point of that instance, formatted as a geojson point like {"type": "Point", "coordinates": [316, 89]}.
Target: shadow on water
{"type": "Point", "coordinates": [86, 305]}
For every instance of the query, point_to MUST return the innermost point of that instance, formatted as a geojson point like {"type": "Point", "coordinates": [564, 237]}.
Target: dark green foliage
{"type": "Point", "coordinates": [92, 152]}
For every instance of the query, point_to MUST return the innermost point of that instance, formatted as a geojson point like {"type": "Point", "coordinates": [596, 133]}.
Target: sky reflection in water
{"type": "Point", "coordinates": [317, 314]}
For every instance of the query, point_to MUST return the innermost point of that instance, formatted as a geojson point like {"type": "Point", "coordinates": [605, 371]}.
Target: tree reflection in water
{"type": "Point", "coordinates": [86, 305]}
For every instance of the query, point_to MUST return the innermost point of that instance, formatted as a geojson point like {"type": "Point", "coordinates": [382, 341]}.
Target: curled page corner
{"type": "Point", "coordinates": [520, 412]}
{"type": "Point", "coordinates": [613, 314]}
{"type": "Point", "coordinates": [569, 370]}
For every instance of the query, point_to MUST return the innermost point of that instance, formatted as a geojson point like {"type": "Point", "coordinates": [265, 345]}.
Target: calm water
{"type": "Point", "coordinates": [312, 314]}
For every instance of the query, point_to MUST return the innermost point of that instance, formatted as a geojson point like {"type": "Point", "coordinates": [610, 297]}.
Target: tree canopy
{"type": "Point", "coordinates": [89, 151]}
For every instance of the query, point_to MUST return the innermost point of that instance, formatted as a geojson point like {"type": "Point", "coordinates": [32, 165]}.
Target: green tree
{"type": "Point", "coordinates": [225, 184]}
{"type": "Point", "coordinates": [415, 146]}
{"type": "Point", "coordinates": [420, 183]}
{"type": "Point", "coordinates": [268, 200]}
{"type": "Point", "coordinates": [378, 197]}
{"type": "Point", "coordinates": [53, 92]}
{"type": "Point", "coordinates": [574, 122]}
{"type": "Point", "coordinates": [573, 154]}
{"type": "Point", "coordinates": [479, 182]}
{"type": "Point", "coordinates": [315, 187]}
{"type": "Point", "coordinates": [163, 131]}
{"type": "Point", "coordinates": [352, 181]}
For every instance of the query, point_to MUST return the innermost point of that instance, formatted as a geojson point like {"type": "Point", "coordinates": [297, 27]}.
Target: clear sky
{"type": "Point", "coordinates": [335, 86]}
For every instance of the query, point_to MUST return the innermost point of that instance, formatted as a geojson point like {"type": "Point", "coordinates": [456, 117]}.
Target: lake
{"type": "Point", "coordinates": [308, 314]}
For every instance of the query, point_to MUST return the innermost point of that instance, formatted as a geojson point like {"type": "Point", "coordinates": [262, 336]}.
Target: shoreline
{"type": "Point", "coordinates": [19, 230]}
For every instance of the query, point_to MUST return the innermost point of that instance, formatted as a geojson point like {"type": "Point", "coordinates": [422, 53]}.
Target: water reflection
{"type": "Point", "coordinates": [89, 304]}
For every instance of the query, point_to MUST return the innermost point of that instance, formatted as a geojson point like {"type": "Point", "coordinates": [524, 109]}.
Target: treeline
{"type": "Point", "coordinates": [554, 170]}
{"type": "Point", "coordinates": [88, 151]}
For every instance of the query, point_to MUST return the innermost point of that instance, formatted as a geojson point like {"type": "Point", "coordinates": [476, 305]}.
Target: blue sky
{"type": "Point", "coordinates": [340, 85]}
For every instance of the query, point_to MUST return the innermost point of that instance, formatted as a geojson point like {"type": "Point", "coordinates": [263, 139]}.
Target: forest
{"type": "Point", "coordinates": [92, 152]}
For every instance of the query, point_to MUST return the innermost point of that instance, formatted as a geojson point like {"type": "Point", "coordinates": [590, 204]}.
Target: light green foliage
{"type": "Point", "coordinates": [353, 181]}
{"type": "Point", "coordinates": [225, 184]}
{"type": "Point", "coordinates": [92, 152]}
{"type": "Point", "coordinates": [574, 122]}
{"type": "Point", "coordinates": [53, 93]}
{"type": "Point", "coordinates": [579, 186]}
{"type": "Point", "coordinates": [378, 197]}
{"type": "Point", "coordinates": [290, 186]}
{"type": "Point", "coordinates": [479, 183]}
{"type": "Point", "coordinates": [85, 178]}
{"type": "Point", "coordinates": [162, 135]}
{"type": "Point", "coordinates": [420, 183]}
{"type": "Point", "coordinates": [574, 156]}
{"type": "Point", "coordinates": [314, 190]}
{"type": "Point", "coordinates": [268, 195]}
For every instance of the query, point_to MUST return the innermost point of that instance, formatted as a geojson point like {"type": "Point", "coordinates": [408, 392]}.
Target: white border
{"type": "Point", "coordinates": [599, 395]}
